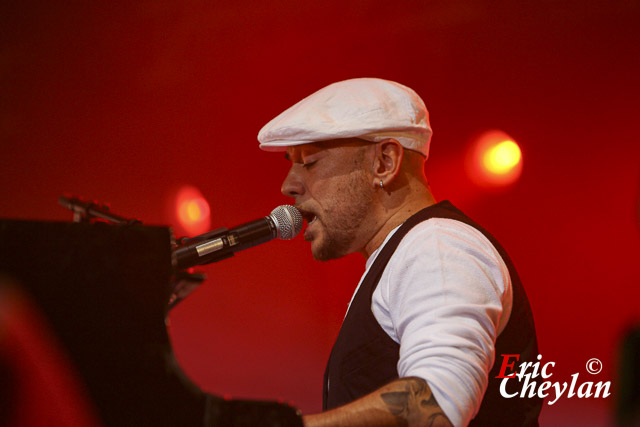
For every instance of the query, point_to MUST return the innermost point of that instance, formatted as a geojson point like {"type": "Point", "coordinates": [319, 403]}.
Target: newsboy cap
{"type": "Point", "coordinates": [366, 108]}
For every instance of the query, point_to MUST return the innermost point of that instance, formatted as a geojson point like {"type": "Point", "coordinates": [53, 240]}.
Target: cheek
{"type": "Point", "coordinates": [339, 192]}
{"type": "Point", "coordinates": [322, 187]}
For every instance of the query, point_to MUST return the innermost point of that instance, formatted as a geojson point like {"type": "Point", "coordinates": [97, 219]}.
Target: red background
{"type": "Point", "coordinates": [124, 103]}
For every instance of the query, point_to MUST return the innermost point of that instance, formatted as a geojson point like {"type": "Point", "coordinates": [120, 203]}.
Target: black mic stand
{"type": "Point", "coordinates": [84, 211]}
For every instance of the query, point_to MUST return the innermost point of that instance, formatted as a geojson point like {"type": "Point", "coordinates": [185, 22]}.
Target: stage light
{"type": "Point", "coordinates": [495, 160]}
{"type": "Point", "coordinates": [192, 210]}
{"type": "Point", "coordinates": [502, 157]}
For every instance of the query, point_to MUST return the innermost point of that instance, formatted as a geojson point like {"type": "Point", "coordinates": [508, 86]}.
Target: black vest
{"type": "Point", "coordinates": [364, 357]}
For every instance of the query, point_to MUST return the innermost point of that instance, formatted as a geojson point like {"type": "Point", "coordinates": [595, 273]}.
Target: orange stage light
{"type": "Point", "coordinates": [192, 210]}
{"type": "Point", "coordinates": [495, 160]}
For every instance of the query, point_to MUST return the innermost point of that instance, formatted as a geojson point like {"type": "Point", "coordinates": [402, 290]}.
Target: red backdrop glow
{"type": "Point", "coordinates": [125, 104]}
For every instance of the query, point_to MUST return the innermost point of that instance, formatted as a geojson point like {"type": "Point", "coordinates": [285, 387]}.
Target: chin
{"type": "Point", "coordinates": [323, 253]}
{"type": "Point", "coordinates": [319, 252]}
{"type": "Point", "coordinates": [323, 257]}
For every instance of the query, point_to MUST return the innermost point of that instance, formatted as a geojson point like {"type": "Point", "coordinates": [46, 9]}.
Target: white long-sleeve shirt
{"type": "Point", "coordinates": [444, 296]}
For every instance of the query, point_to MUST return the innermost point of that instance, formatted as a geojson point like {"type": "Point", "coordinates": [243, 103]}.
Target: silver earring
{"type": "Point", "coordinates": [381, 185]}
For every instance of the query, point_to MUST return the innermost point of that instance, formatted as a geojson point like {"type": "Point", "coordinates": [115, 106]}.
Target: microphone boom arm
{"type": "Point", "coordinates": [222, 243]}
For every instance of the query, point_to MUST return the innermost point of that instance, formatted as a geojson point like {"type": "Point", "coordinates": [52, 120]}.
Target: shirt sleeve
{"type": "Point", "coordinates": [444, 297]}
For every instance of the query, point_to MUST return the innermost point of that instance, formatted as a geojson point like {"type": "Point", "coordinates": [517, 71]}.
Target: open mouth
{"type": "Point", "coordinates": [310, 217]}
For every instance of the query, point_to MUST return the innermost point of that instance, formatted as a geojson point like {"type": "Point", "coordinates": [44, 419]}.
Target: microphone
{"type": "Point", "coordinates": [284, 222]}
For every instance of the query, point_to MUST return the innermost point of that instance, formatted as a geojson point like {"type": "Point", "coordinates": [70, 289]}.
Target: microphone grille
{"type": "Point", "coordinates": [288, 221]}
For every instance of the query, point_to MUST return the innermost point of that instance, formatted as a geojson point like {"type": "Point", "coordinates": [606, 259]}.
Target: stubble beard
{"type": "Point", "coordinates": [343, 221]}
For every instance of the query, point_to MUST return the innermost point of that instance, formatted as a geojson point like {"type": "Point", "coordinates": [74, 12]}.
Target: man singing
{"type": "Point", "coordinates": [440, 299]}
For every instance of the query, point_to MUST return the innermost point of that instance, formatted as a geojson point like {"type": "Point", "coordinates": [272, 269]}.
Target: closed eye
{"type": "Point", "coordinates": [309, 164]}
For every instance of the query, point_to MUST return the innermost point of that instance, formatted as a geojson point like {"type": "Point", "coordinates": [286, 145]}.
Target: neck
{"type": "Point", "coordinates": [394, 212]}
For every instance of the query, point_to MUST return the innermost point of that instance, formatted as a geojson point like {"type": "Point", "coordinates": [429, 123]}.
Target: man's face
{"type": "Point", "coordinates": [331, 187]}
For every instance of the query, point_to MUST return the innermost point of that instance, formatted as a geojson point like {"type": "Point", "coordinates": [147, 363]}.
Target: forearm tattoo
{"type": "Point", "coordinates": [415, 404]}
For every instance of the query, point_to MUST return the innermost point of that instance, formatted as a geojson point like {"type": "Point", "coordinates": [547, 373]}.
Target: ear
{"type": "Point", "coordinates": [387, 160]}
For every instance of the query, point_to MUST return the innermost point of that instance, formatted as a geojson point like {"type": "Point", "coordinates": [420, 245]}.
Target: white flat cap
{"type": "Point", "coordinates": [365, 108]}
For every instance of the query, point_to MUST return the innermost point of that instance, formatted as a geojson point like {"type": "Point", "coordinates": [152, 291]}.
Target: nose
{"type": "Point", "coordinates": [292, 186]}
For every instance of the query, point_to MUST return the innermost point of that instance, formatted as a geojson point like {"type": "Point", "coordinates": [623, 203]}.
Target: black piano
{"type": "Point", "coordinates": [82, 322]}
